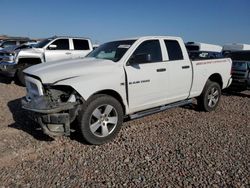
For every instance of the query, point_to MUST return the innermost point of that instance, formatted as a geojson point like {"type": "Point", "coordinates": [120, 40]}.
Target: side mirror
{"type": "Point", "coordinates": [140, 58]}
{"type": "Point", "coordinates": [52, 47]}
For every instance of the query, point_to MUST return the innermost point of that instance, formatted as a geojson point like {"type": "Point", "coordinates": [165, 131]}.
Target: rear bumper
{"type": "Point", "coordinates": [8, 69]}
{"type": "Point", "coordinates": [53, 118]}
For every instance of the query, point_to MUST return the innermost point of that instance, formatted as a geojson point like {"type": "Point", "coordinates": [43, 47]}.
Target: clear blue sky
{"type": "Point", "coordinates": [212, 21]}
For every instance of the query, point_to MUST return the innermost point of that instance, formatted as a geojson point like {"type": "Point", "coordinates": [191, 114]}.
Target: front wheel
{"type": "Point", "coordinates": [101, 120]}
{"type": "Point", "coordinates": [210, 96]}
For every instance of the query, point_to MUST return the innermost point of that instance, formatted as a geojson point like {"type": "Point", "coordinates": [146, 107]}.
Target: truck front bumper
{"type": "Point", "coordinates": [53, 118]}
{"type": "Point", "coordinates": [8, 69]}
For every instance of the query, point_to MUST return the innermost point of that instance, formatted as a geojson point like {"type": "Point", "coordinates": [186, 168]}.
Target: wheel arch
{"type": "Point", "coordinates": [114, 94]}
{"type": "Point", "coordinates": [216, 77]}
{"type": "Point", "coordinates": [31, 61]}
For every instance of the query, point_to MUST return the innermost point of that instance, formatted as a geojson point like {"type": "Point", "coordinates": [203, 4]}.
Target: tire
{"type": "Point", "coordinates": [20, 74]}
{"type": "Point", "coordinates": [210, 97]}
{"type": "Point", "coordinates": [101, 119]}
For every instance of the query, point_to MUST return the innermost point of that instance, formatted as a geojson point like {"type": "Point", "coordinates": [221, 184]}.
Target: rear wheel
{"type": "Point", "coordinates": [210, 96]}
{"type": "Point", "coordinates": [101, 121]}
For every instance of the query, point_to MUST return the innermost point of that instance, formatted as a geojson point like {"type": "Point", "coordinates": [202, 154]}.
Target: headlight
{"type": "Point", "coordinates": [34, 87]}
{"type": "Point", "coordinates": [10, 58]}
{"type": "Point", "coordinates": [32, 90]}
{"type": "Point", "coordinates": [59, 93]}
{"type": "Point", "coordinates": [14, 55]}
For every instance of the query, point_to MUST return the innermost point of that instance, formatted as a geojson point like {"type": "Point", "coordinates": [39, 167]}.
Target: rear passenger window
{"type": "Point", "coordinates": [174, 50]}
{"type": "Point", "coordinates": [152, 49]}
{"type": "Point", "coordinates": [61, 44]}
{"type": "Point", "coordinates": [81, 44]}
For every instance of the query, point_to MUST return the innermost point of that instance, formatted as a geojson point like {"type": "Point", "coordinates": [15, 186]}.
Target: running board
{"type": "Point", "coordinates": [159, 109]}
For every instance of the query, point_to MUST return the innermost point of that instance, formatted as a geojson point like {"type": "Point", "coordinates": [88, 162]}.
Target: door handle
{"type": "Point", "coordinates": [185, 67]}
{"type": "Point", "coordinates": [161, 70]}
{"type": "Point", "coordinates": [68, 53]}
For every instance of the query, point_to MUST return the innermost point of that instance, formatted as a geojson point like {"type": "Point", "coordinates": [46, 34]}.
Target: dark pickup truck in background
{"type": "Point", "coordinates": [240, 70]}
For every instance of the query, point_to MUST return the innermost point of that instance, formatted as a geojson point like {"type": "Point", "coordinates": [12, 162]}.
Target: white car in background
{"type": "Point", "coordinates": [49, 50]}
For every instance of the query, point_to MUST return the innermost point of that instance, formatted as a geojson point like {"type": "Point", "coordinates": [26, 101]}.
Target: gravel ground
{"type": "Point", "coordinates": [180, 147]}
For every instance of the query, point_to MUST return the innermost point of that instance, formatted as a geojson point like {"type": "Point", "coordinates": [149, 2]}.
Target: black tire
{"type": "Point", "coordinates": [210, 97]}
{"type": "Point", "coordinates": [93, 115]}
{"type": "Point", "coordinates": [20, 75]}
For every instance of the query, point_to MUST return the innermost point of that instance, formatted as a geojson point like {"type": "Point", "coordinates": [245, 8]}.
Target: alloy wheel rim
{"type": "Point", "coordinates": [213, 97]}
{"type": "Point", "coordinates": [103, 120]}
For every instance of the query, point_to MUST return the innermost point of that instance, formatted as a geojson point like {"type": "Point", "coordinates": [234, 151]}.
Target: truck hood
{"type": "Point", "coordinates": [61, 70]}
{"type": "Point", "coordinates": [30, 52]}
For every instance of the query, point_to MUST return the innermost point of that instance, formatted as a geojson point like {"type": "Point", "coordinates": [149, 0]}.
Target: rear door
{"type": "Point", "coordinates": [147, 80]}
{"type": "Point", "coordinates": [60, 52]}
{"type": "Point", "coordinates": [82, 48]}
{"type": "Point", "coordinates": [179, 71]}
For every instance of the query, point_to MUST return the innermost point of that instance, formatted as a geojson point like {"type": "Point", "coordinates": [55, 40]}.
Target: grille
{"type": "Point", "coordinates": [238, 75]}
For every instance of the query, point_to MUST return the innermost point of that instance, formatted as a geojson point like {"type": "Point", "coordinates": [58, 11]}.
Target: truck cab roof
{"type": "Point", "coordinates": [150, 37]}
{"type": "Point", "coordinates": [58, 37]}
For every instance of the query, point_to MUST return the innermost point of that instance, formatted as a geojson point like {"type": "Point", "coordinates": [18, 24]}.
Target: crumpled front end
{"type": "Point", "coordinates": [53, 107]}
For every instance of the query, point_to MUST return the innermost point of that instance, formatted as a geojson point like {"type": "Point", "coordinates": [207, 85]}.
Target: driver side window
{"type": "Point", "coordinates": [148, 52]}
{"type": "Point", "coordinates": [60, 44]}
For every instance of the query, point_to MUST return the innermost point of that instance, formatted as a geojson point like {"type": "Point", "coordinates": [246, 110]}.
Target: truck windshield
{"type": "Point", "coordinates": [112, 50]}
{"type": "Point", "coordinates": [42, 43]}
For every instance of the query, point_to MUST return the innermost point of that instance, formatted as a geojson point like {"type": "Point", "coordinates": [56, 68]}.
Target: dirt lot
{"type": "Point", "coordinates": [180, 147]}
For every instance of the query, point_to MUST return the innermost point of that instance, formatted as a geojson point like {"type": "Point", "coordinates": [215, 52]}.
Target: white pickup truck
{"type": "Point", "coordinates": [126, 78]}
{"type": "Point", "coordinates": [49, 50]}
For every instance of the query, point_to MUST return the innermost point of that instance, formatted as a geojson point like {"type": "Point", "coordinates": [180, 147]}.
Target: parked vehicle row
{"type": "Point", "coordinates": [127, 78]}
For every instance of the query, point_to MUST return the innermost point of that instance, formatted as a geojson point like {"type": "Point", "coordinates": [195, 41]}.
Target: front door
{"type": "Point", "coordinates": [147, 77]}
{"type": "Point", "coordinates": [58, 50]}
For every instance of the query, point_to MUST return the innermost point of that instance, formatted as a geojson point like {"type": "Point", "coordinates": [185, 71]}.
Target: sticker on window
{"type": "Point", "coordinates": [124, 46]}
